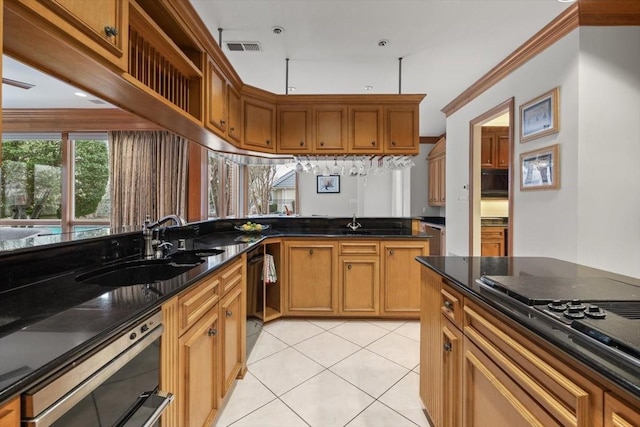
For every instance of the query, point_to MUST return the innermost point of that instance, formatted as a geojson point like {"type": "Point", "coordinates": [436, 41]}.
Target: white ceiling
{"type": "Point", "coordinates": [446, 45]}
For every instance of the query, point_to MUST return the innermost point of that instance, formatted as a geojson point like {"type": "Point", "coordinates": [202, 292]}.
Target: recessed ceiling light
{"type": "Point", "coordinates": [291, 89]}
{"type": "Point", "coordinates": [277, 30]}
{"type": "Point", "coordinates": [383, 42]}
{"type": "Point", "coordinates": [80, 94]}
{"type": "Point", "coordinates": [368, 87]}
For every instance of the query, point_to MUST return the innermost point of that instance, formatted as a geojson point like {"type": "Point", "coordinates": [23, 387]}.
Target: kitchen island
{"type": "Point", "coordinates": [48, 319]}
{"type": "Point", "coordinates": [494, 348]}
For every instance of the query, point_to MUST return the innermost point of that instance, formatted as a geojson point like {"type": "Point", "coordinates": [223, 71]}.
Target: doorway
{"type": "Point", "coordinates": [491, 168]}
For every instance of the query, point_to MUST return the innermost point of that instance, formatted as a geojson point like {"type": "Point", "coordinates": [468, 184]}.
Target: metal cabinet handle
{"type": "Point", "coordinates": [212, 332]}
{"type": "Point", "coordinates": [110, 31]}
{"type": "Point", "coordinates": [393, 143]}
{"type": "Point", "coordinates": [222, 122]}
{"type": "Point", "coordinates": [233, 129]}
{"type": "Point", "coordinates": [301, 143]}
{"type": "Point", "coordinates": [228, 313]}
{"type": "Point", "coordinates": [321, 143]}
{"type": "Point", "coordinates": [373, 143]}
{"type": "Point", "coordinates": [448, 305]}
{"type": "Point", "coordinates": [310, 251]}
{"type": "Point", "coordinates": [391, 252]}
{"type": "Point", "coordinates": [349, 266]}
{"type": "Point", "coordinates": [268, 142]}
{"type": "Point", "coordinates": [447, 346]}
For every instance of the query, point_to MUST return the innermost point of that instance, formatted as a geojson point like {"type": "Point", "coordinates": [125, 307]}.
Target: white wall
{"type": "Point", "coordinates": [597, 72]}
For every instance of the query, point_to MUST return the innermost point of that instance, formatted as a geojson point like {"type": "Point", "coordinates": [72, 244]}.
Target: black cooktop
{"type": "Point", "coordinates": [536, 290]}
{"type": "Point", "coordinates": [604, 310]}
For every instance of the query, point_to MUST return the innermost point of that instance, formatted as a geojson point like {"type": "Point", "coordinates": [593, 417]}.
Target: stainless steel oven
{"type": "Point", "coordinates": [114, 385]}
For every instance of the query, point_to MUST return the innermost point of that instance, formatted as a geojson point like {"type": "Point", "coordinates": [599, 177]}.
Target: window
{"type": "Point", "coordinates": [222, 187]}
{"type": "Point", "coordinates": [263, 189]}
{"type": "Point", "coordinates": [33, 182]}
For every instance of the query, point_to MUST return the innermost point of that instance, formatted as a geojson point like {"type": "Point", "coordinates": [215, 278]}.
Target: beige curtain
{"type": "Point", "coordinates": [148, 176]}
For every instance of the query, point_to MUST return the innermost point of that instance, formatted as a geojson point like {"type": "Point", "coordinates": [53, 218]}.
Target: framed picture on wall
{"type": "Point", "coordinates": [540, 169]}
{"type": "Point", "coordinates": [328, 184]}
{"type": "Point", "coordinates": [540, 117]}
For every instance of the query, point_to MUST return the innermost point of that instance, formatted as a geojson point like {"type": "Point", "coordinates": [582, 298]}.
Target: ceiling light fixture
{"type": "Point", "coordinates": [368, 87]}
{"type": "Point", "coordinates": [277, 30]}
{"type": "Point", "coordinates": [80, 94]}
{"type": "Point", "coordinates": [383, 42]}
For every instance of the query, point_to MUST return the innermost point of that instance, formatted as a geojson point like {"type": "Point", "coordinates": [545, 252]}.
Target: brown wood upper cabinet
{"type": "Point", "coordinates": [330, 129]}
{"type": "Point", "coordinates": [402, 129]}
{"type": "Point", "coordinates": [437, 174]}
{"type": "Point", "coordinates": [100, 25]}
{"type": "Point", "coordinates": [216, 100]}
{"type": "Point", "coordinates": [294, 129]}
{"type": "Point", "coordinates": [495, 147]}
{"type": "Point", "coordinates": [365, 128]}
{"type": "Point", "coordinates": [259, 125]}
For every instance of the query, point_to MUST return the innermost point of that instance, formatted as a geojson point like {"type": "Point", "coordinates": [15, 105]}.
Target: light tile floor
{"type": "Point", "coordinates": [329, 373]}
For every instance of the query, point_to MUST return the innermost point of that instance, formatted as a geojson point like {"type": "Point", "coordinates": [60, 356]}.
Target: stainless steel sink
{"type": "Point", "coordinates": [139, 271]}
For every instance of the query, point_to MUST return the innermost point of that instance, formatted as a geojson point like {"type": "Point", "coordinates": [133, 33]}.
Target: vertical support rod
{"type": "Point", "coordinates": [400, 75]}
{"type": "Point", "coordinates": [286, 79]}
{"type": "Point", "coordinates": [220, 37]}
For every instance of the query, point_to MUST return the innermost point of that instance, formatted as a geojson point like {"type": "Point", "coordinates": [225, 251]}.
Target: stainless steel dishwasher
{"type": "Point", "coordinates": [113, 385]}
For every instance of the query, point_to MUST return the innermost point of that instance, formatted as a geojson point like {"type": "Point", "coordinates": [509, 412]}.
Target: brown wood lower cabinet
{"type": "Point", "coordinates": [198, 364]}
{"type": "Point", "coordinates": [400, 273]}
{"type": "Point", "coordinates": [231, 316]}
{"type": "Point", "coordinates": [492, 241]}
{"type": "Point", "coordinates": [203, 346]}
{"type": "Point", "coordinates": [482, 371]}
{"type": "Point", "coordinates": [10, 413]}
{"type": "Point", "coordinates": [618, 413]}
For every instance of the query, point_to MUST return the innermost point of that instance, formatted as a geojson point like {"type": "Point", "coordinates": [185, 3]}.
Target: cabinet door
{"type": "Point", "coordinates": [216, 100]}
{"type": "Point", "coordinates": [442, 187]}
{"type": "Point", "coordinates": [330, 129]}
{"type": "Point", "coordinates": [233, 114]}
{"type": "Point", "coordinates": [259, 125]}
{"type": "Point", "coordinates": [452, 341]}
{"type": "Point", "coordinates": [502, 151]}
{"type": "Point", "coordinates": [402, 130]}
{"type": "Point", "coordinates": [359, 285]}
{"type": "Point", "coordinates": [101, 25]}
{"type": "Point", "coordinates": [231, 317]}
{"type": "Point", "coordinates": [430, 344]}
{"type": "Point", "coordinates": [199, 372]}
{"type": "Point", "coordinates": [490, 394]}
{"type": "Point", "coordinates": [434, 182]}
{"type": "Point", "coordinates": [10, 413]}
{"type": "Point", "coordinates": [311, 277]}
{"type": "Point", "coordinates": [619, 414]}
{"type": "Point", "coordinates": [365, 129]}
{"type": "Point", "coordinates": [401, 278]}
{"type": "Point", "coordinates": [487, 160]}
{"type": "Point", "coordinates": [294, 129]}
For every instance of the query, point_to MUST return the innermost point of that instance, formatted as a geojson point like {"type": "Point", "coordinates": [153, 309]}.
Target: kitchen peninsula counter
{"type": "Point", "coordinates": [48, 319]}
{"type": "Point", "coordinates": [462, 275]}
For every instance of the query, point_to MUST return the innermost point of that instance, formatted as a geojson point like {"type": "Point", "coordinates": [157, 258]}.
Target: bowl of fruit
{"type": "Point", "coordinates": [251, 227]}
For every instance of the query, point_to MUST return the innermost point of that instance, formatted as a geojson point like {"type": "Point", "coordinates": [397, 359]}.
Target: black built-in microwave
{"type": "Point", "coordinates": [494, 183]}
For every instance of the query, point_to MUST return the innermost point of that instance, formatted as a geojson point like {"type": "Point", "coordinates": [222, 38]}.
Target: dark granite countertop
{"type": "Point", "coordinates": [463, 272]}
{"type": "Point", "coordinates": [51, 319]}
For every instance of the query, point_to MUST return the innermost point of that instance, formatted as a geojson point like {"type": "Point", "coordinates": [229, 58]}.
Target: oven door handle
{"type": "Point", "coordinates": [159, 400]}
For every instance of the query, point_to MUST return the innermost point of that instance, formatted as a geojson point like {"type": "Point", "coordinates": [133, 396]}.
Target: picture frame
{"type": "Point", "coordinates": [540, 169]}
{"type": "Point", "coordinates": [540, 116]}
{"type": "Point", "coordinates": [328, 184]}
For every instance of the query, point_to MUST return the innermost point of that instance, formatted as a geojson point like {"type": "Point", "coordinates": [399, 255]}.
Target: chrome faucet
{"type": "Point", "coordinates": [153, 248]}
{"type": "Point", "coordinates": [354, 224]}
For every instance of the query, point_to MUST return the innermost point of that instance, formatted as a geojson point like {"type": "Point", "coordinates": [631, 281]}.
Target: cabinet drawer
{"type": "Point", "coordinates": [451, 305]}
{"type": "Point", "coordinates": [568, 397]}
{"type": "Point", "coordinates": [359, 248]}
{"type": "Point", "coordinates": [231, 276]}
{"type": "Point", "coordinates": [195, 302]}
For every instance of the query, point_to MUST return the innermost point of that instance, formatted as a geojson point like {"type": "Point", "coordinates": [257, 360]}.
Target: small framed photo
{"type": "Point", "coordinates": [540, 169]}
{"type": "Point", "coordinates": [328, 184]}
{"type": "Point", "coordinates": [540, 117]}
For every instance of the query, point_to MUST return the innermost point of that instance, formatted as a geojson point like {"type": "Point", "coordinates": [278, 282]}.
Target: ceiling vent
{"type": "Point", "coordinates": [243, 46]}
